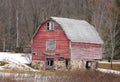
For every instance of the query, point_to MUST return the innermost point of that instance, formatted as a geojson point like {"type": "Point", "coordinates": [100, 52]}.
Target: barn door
{"type": "Point", "coordinates": [49, 63]}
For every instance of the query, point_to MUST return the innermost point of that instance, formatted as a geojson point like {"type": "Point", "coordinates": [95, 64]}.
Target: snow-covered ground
{"type": "Point", "coordinates": [108, 71]}
{"type": "Point", "coordinates": [16, 57]}
{"type": "Point", "coordinates": [114, 62]}
{"type": "Point", "coordinates": [15, 61]}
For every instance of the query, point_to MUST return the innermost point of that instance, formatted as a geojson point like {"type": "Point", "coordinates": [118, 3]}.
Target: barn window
{"type": "Point", "coordinates": [50, 45]}
{"type": "Point", "coordinates": [50, 26]}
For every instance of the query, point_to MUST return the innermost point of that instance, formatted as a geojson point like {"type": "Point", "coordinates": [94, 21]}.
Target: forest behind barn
{"type": "Point", "coordinates": [20, 18]}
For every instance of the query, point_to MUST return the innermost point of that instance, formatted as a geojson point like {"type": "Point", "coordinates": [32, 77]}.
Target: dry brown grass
{"type": "Point", "coordinates": [85, 76]}
{"type": "Point", "coordinates": [3, 63]}
{"type": "Point", "coordinates": [64, 76]}
{"type": "Point", "coordinates": [108, 66]}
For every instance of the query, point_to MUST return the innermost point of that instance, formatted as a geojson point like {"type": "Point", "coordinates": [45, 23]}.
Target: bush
{"type": "Point", "coordinates": [18, 49]}
{"type": "Point", "coordinates": [85, 76]}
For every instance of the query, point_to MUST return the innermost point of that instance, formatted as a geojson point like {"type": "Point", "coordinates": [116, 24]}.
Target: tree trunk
{"type": "Point", "coordinates": [17, 29]}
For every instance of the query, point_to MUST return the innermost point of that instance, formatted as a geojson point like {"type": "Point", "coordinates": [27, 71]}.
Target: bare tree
{"type": "Point", "coordinates": [20, 18]}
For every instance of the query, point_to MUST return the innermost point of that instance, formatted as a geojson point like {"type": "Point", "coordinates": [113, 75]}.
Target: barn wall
{"type": "Point", "coordinates": [39, 43]}
{"type": "Point", "coordinates": [79, 51]}
{"type": "Point", "coordinates": [86, 51]}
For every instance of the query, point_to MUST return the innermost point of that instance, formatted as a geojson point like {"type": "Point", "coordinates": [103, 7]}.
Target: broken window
{"type": "Point", "coordinates": [49, 61]}
{"type": "Point", "coordinates": [50, 25]}
{"type": "Point", "coordinates": [50, 45]}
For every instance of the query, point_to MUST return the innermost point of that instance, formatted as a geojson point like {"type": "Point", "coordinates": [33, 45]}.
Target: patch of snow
{"type": "Point", "coordinates": [106, 62]}
{"type": "Point", "coordinates": [15, 65]}
{"type": "Point", "coordinates": [16, 57]}
{"type": "Point", "coordinates": [1, 68]}
{"type": "Point", "coordinates": [15, 61]}
{"type": "Point", "coordinates": [108, 71]}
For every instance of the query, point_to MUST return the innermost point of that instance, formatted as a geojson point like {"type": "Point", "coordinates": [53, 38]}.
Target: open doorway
{"type": "Point", "coordinates": [67, 63]}
{"type": "Point", "coordinates": [88, 64]}
{"type": "Point", "coordinates": [49, 63]}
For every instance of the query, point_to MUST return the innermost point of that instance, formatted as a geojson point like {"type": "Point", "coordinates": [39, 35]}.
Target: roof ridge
{"type": "Point", "coordinates": [79, 30]}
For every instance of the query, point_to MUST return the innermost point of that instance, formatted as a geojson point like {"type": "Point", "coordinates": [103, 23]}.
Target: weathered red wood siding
{"type": "Point", "coordinates": [39, 43]}
{"type": "Point", "coordinates": [86, 51]}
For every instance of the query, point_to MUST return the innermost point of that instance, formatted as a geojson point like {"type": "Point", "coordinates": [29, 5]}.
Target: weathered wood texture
{"type": "Point", "coordinates": [78, 51]}
{"type": "Point", "coordinates": [86, 51]}
{"type": "Point", "coordinates": [64, 49]}
{"type": "Point", "coordinates": [39, 43]}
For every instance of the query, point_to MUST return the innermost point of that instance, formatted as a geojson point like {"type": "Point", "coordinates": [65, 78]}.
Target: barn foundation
{"type": "Point", "coordinates": [38, 64]}
{"type": "Point", "coordinates": [63, 65]}
{"type": "Point", "coordinates": [83, 64]}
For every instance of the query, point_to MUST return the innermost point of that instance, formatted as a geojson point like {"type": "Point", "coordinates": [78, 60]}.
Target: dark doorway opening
{"type": "Point", "coordinates": [88, 64]}
{"type": "Point", "coordinates": [49, 63]}
{"type": "Point", "coordinates": [67, 63]}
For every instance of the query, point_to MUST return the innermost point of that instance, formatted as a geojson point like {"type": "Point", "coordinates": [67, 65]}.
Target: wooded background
{"type": "Point", "coordinates": [20, 18]}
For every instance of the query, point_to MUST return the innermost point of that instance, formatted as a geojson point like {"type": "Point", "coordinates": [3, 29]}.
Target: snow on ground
{"type": "Point", "coordinates": [108, 71]}
{"type": "Point", "coordinates": [16, 57]}
{"type": "Point", "coordinates": [106, 62]}
{"type": "Point", "coordinates": [15, 61]}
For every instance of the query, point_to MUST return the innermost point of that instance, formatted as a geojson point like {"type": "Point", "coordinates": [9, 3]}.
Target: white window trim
{"type": "Point", "coordinates": [51, 26]}
{"type": "Point", "coordinates": [46, 45]}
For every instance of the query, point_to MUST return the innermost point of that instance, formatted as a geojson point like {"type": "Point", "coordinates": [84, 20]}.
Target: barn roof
{"type": "Point", "coordinates": [78, 30]}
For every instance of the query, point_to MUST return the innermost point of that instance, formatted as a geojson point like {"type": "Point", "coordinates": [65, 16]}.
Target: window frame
{"type": "Point", "coordinates": [47, 45]}
{"type": "Point", "coordinates": [50, 26]}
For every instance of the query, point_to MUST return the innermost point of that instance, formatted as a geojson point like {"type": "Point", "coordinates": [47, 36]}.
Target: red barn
{"type": "Point", "coordinates": [61, 43]}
